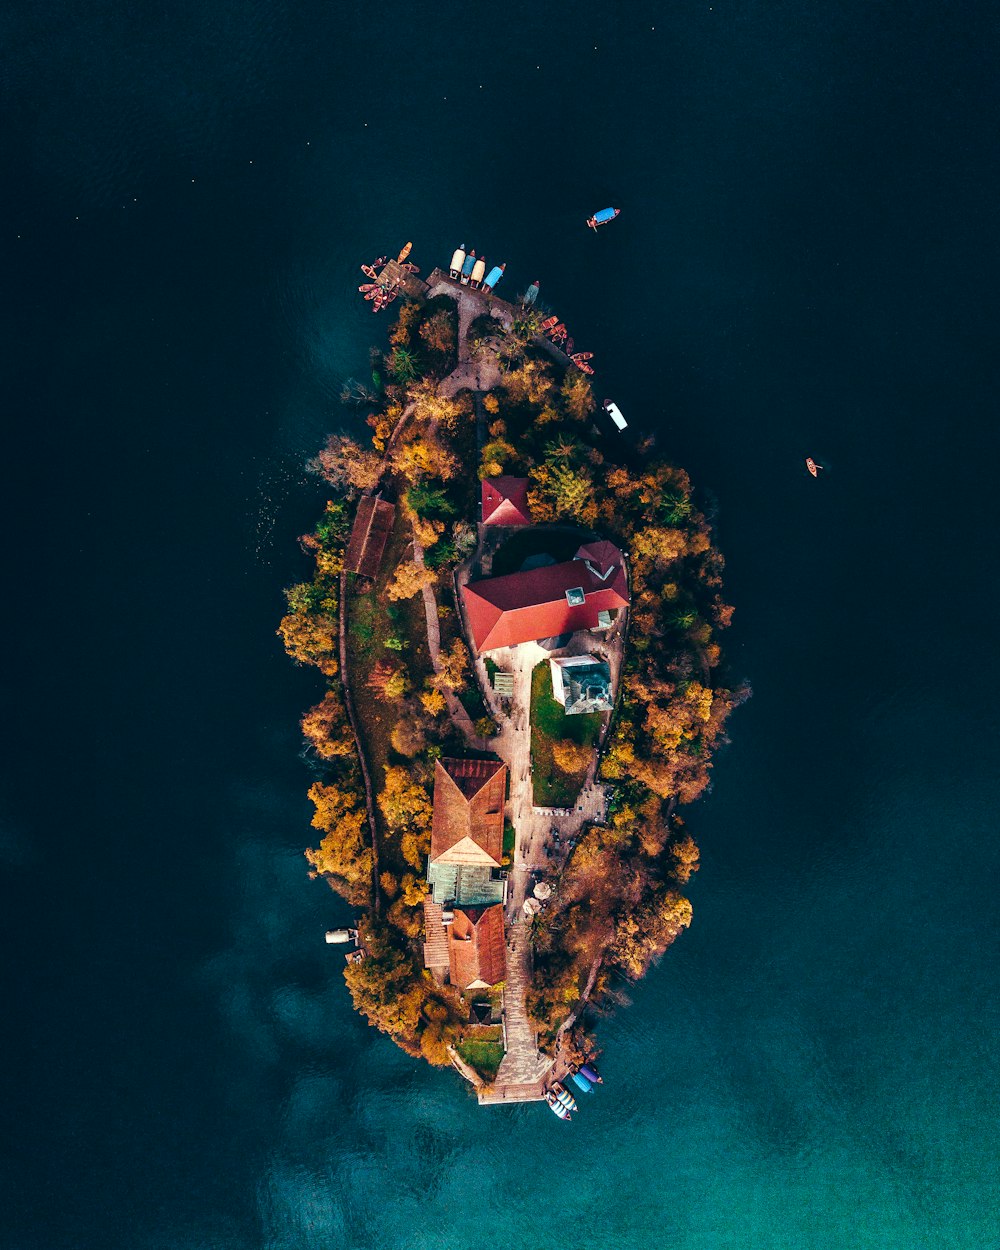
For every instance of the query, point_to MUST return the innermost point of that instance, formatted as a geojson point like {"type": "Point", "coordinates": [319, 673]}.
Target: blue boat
{"type": "Point", "coordinates": [467, 266]}
{"type": "Point", "coordinates": [603, 217]}
{"type": "Point", "coordinates": [494, 276]}
{"type": "Point", "coordinates": [581, 1082]}
{"type": "Point", "coordinates": [591, 1074]}
{"type": "Point", "coordinates": [531, 294]}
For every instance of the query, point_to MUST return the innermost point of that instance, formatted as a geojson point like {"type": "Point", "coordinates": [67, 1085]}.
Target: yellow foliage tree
{"type": "Point", "coordinates": [571, 757]}
{"type": "Point", "coordinates": [409, 579]}
{"type": "Point", "coordinates": [404, 801]}
{"type": "Point", "coordinates": [434, 702]}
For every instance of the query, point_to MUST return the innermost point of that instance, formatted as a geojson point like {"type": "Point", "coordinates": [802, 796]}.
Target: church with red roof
{"type": "Point", "coordinates": [505, 501]}
{"type": "Point", "coordinates": [546, 602]}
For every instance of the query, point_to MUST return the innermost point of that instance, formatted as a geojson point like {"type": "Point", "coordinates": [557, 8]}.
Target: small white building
{"type": "Point", "coordinates": [581, 683]}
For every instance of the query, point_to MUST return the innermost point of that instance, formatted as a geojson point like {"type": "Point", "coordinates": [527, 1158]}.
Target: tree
{"type": "Point", "coordinates": [408, 737]}
{"type": "Point", "coordinates": [577, 395]}
{"type": "Point", "coordinates": [408, 580]}
{"type": "Point", "coordinates": [434, 702]}
{"type": "Point", "coordinates": [438, 332]}
{"type": "Point", "coordinates": [403, 364]}
{"type": "Point", "coordinates": [346, 465]}
{"type": "Point", "coordinates": [311, 639]}
{"type": "Point", "coordinates": [453, 670]}
{"type": "Point", "coordinates": [427, 531]}
{"type": "Point", "coordinates": [684, 853]}
{"type": "Point", "coordinates": [404, 802]}
{"type": "Point", "coordinates": [422, 454]}
{"type": "Point", "coordinates": [327, 728]}
{"type": "Point", "coordinates": [571, 757]}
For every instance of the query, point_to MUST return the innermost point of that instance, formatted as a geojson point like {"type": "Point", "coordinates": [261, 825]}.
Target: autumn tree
{"type": "Point", "coordinates": [404, 802]}
{"type": "Point", "coordinates": [577, 395]}
{"type": "Point", "coordinates": [408, 736]}
{"type": "Point", "coordinates": [327, 728]}
{"type": "Point", "coordinates": [346, 465]}
{"type": "Point", "coordinates": [438, 332]}
{"type": "Point", "coordinates": [684, 853]}
{"type": "Point", "coordinates": [571, 757]}
{"type": "Point", "coordinates": [408, 580]}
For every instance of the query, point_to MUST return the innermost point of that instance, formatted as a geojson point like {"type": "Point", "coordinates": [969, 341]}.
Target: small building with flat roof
{"type": "Point", "coordinates": [581, 683]}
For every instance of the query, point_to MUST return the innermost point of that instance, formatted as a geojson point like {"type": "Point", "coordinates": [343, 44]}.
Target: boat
{"type": "Point", "coordinates": [457, 261]}
{"type": "Point", "coordinates": [581, 1082]}
{"type": "Point", "coordinates": [404, 253]}
{"type": "Point", "coordinates": [556, 1106]}
{"type": "Point", "coordinates": [591, 1073]}
{"type": "Point", "coordinates": [410, 267]}
{"type": "Point", "coordinates": [548, 323]}
{"type": "Point", "coordinates": [556, 330]}
{"type": "Point", "coordinates": [368, 286]}
{"type": "Point", "coordinates": [478, 269]}
{"type": "Point", "coordinates": [812, 466]}
{"type": "Point", "coordinates": [584, 367]}
{"type": "Point", "coordinates": [531, 294]}
{"type": "Point", "coordinates": [615, 413]}
{"type": "Point", "coordinates": [576, 357]}
{"type": "Point", "coordinates": [564, 1096]}
{"type": "Point", "coordinates": [370, 272]}
{"type": "Point", "coordinates": [602, 217]}
{"type": "Point", "coordinates": [467, 267]}
{"type": "Point", "coordinates": [494, 276]}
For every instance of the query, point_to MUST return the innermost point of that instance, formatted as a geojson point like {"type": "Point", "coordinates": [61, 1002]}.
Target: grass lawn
{"type": "Point", "coordinates": [485, 1057]}
{"type": "Point", "coordinates": [549, 723]}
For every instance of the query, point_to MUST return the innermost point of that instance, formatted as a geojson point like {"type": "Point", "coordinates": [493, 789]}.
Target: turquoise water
{"type": "Point", "coordinates": [804, 265]}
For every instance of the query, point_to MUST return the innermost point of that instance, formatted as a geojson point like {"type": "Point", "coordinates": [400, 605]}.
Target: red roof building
{"type": "Point", "coordinates": [476, 954]}
{"type": "Point", "coordinates": [505, 501]}
{"type": "Point", "coordinates": [369, 535]}
{"type": "Point", "coordinates": [549, 601]}
{"type": "Point", "coordinates": [467, 821]}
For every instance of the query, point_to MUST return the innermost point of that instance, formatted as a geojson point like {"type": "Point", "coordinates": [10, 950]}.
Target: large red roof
{"type": "Point", "coordinates": [527, 606]}
{"type": "Point", "coordinates": [467, 820]}
{"type": "Point", "coordinates": [476, 947]}
{"type": "Point", "coordinates": [505, 501]}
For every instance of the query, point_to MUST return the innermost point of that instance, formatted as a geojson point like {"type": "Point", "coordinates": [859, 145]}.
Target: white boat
{"type": "Point", "coordinates": [615, 413]}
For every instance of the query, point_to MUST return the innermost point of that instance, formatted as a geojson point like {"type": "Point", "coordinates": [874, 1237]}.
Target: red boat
{"type": "Point", "coordinates": [548, 323]}
{"type": "Point", "coordinates": [582, 364]}
{"type": "Point", "coordinates": [581, 356]}
{"type": "Point", "coordinates": [812, 466]}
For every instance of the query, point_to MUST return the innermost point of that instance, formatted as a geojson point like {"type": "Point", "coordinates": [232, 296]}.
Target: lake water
{"type": "Point", "coordinates": [805, 265]}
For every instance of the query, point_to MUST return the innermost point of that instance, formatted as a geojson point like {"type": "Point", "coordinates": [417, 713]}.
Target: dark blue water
{"type": "Point", "coordinates": [805, 264]}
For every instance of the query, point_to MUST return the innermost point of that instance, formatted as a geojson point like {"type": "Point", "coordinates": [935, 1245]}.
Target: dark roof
{"type": "Point", "coordinates": [505, 501]}
{"type": "Point", "coordinates": [467, 823]}
{"type": "Point", "coordinates": [476, 946]}
{"type": "Point", "coordinates": [533, 604]}
{"type": "Point", "coordinates": [372, 527]}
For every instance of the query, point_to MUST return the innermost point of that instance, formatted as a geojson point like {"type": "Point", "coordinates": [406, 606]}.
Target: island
{"type": "Point", "coordinates": [516, 610]}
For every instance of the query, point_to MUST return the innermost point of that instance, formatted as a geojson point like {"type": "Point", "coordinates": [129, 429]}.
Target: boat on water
{"type": "Point", "coordinates": [556, 1106]}
{"type": "Point", "coordinates": [467, 267]}
{"type": "Point", "coordinates": [548, 323]}
{"type": "Point", "coordinates": [369, 271]}
{"type": "Point", "coordinates": [812, 466]}
{"type": "Point", "coordinates": [581, 1082]}
{"type": "Point", "coordinates": [404, 253]}
{"type": "Point", "coordinates": [576, 357]}
{"type": "Point", "coordinates": [602, 217]}
{"type": "Point", "coordinates": [615, 413]}
{"type": "Point", "coordinates": [591, 1073]}
{"type": "Point", "coordinates": [564, 1096]}
{"type": "Point", "coordinates": [531, 294]}
{"type": "Point", "coordinates": [584, 367]}
{"type": "Point", "coordinates": [478, 269]}
{"type": "Point", "coordinates": [457, 261]}
{"type": "Point", "coordinates": [494, 276]}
